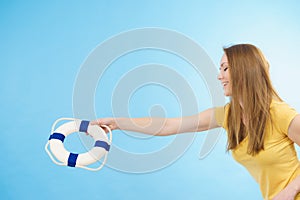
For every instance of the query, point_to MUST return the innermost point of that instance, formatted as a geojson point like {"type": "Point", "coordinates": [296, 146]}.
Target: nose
{"type": "Point", "coordinates": [220, 76]}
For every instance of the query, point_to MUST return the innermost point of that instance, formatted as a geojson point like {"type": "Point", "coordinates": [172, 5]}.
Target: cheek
{"type": "Point", "coordinates": [227, 74]}
{"type": "Point", "coordinates": [228, 78]}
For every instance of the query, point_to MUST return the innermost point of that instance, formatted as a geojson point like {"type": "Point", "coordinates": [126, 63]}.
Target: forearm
{"type": "Point", "coordinates": [295, 185]}
{"type": "Point", "coordinates": [147, 125]}
{"type": "Point", "coordinates": [291, 190]}
{"type": "Point", "coordinates": [157, 126]}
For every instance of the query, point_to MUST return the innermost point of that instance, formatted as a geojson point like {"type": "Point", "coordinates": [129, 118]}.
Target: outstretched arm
{"type": "Point", "coordinates": [163, 126]}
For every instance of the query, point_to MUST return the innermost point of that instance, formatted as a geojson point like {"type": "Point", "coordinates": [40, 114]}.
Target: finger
{"type": "Point", "coordinates": [105, 129]}
{"type": "Point", "coordinates": [95, 122]}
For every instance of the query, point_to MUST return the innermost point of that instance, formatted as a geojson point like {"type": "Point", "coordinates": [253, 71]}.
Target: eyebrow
{"type": "Point", "coordinates": [223, 63]}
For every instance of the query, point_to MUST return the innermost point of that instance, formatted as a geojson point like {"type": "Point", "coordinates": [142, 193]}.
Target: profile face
{"type": "Point", "coordinates": [224, 76]}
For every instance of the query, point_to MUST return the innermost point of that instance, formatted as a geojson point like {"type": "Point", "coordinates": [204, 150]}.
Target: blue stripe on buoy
{"type": "Point", "coordinates": [84, 126]}
{"type": "Point", "coordinates": [102, 144]}
{"type": "Point", "coordinates": [57, 136]}
{"type": "Point", "coordinates": [72, 159]}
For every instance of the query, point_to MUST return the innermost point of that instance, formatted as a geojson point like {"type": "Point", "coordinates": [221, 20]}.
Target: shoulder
{"type": "Point", "coordinates": [281, 108]}
{"type": "Point", "coordinates": [221, 113]}
{"type": "Point", "coordinates": [282, 114]}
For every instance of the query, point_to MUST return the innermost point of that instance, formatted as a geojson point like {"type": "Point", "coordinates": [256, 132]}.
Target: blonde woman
{"type": "Point", "coordinates": [261, 128]}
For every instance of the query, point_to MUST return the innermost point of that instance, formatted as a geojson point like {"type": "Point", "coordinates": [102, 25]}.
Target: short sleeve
{"type": "Point", "coordinates": [220, 115]}
{"type": "Point", "coordinates": [283, 115]}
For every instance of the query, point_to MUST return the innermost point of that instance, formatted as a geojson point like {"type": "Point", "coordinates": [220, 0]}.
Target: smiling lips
{"type": "Point", "coordinates": [225, 83]}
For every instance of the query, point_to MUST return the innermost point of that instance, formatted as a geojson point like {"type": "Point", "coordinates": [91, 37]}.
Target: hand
{"type": "Point", "coordinates": [285, 194]}
{"type": "Point", "coordinates": [288, 193]}
{"type": "Point", "coordinates": [110, 122]}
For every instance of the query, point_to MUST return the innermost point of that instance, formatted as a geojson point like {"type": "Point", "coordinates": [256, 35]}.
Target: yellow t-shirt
{"type": "Point", "coordinates": [277, 165]}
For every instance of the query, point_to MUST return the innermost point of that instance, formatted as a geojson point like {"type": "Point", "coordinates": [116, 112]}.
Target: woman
{"type": "Point", "coordinates": [261, 128]}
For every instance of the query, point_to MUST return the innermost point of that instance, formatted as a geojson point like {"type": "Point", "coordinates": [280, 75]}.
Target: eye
{"type": "Point", "coordinates": [224, 68]}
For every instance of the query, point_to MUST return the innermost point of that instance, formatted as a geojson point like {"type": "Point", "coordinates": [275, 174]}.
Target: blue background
{"type": "Point", "coordinates": [44, 43]}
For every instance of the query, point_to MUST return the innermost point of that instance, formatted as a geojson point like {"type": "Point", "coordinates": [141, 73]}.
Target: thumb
{"type": "Point", "coordinates": [95, 122]}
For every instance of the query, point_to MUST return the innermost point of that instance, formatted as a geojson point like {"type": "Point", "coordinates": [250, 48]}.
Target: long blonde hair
{"type": "Point", "coordinates": [252, 94]}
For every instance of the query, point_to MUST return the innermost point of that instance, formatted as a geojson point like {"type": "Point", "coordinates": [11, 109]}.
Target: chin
{"type": "Point", "coordinates": [227, 94]}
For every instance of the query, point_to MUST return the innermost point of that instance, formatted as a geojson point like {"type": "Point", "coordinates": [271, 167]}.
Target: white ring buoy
{"type": "Point", "coordinates": [100, 149]}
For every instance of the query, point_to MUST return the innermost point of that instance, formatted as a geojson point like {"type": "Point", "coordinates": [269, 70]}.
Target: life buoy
{"type": "Point", "coordinates": [56, 140]}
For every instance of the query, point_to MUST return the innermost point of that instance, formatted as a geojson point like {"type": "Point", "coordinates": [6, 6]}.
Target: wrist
{"type": "Point", "coordinates": [117, 123]}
